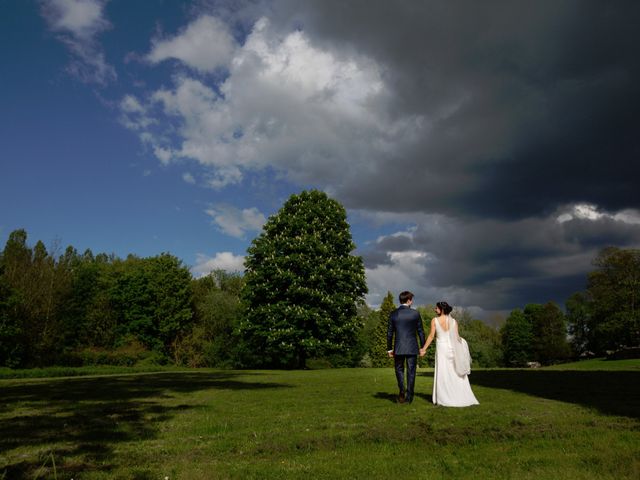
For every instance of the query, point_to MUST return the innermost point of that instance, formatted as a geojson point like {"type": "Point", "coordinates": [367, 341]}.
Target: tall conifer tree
{"type": "Point", "coordinates": [379, 356]}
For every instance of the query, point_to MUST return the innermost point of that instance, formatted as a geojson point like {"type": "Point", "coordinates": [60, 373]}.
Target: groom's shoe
{"type": "Point", "coordinates": [401, 398]}
{"type": "Point", "coordinates": [409, 399]}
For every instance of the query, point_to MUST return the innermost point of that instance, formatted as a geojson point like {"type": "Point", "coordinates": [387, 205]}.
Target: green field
{"type": "Point", "coordinates": [577, 422]}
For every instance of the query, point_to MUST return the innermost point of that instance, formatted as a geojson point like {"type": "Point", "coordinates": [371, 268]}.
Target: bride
{"type": "Point", "coordinates": [451, 382]}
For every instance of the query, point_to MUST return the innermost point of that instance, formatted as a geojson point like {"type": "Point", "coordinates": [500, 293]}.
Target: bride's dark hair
{"type": "Point", "coordinates": [444, 307]}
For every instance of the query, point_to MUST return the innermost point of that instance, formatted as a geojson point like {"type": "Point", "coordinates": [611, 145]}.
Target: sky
{"type": "Point", "coordinates": [485, 151]}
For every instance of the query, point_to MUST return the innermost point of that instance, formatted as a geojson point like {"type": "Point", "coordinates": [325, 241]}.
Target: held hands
{"type": "Point", "coordinates": [423, 352]}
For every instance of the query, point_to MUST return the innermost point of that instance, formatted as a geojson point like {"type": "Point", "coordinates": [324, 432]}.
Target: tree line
{"type": "Point", "coordinates": [299, 303]}
{"type": "Point", "coordinates": [602, 320]}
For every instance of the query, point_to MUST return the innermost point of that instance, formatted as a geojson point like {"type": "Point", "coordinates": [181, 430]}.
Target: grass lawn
{"type": "Point", "coordinates": [570, 423]}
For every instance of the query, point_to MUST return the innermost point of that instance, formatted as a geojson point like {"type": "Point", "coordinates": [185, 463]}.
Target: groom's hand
{"type": "Point", "coordinates": [390, 354]}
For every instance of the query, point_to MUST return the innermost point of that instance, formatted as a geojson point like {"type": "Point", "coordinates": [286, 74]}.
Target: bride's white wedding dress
{"type": "Point", "coordinates": [449, 388]}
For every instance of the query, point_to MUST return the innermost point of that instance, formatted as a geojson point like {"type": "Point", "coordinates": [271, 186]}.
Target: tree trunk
{"type": "Point", "coordinates": [302, 359]}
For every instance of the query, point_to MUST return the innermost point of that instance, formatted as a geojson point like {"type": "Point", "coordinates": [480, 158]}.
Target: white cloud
{"type": "Point", "coordinates": [583, 211]}
{"type": "Point", "coordinates": [162, 154]}
{"type": "Point", "coordinates": [286, 104]}
{"type": "Point", "coordinates": [221, 261]}
{"type": "Point", "coordinates": [236, 222]}
{"type": "Point", "coordinates": [135, 116]}
{"type": "Point", "coordinates": [408, 271]}
{"type": "Point", "coordinates": [83, 18]}
{"type": "Point", "coordinates": [78, 22]}
{"type": "Point", "coordinates": [130, 104]}
{"type": "Point", "coordinates": [224, 176]}
{"type": "Point", "coordinates": [189, 178]}
{"type": "Point", "coordinates": [405, 272]}
{"type": "Point", "coordinates": [204, 45]}
{"type": "Point", "coordinates": [408, 233]}
{"type": "Point", "coordinates": [628, 216]}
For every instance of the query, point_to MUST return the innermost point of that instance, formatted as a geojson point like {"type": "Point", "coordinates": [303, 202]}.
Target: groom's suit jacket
{"type": "Point", "coordinates": [405, 323]}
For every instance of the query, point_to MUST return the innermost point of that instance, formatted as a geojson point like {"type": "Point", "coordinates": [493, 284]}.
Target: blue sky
{"type": "Point", "coordinates": [482, 160]}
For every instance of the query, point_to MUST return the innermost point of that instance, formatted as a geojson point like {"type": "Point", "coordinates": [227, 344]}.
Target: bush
{"type": "Point", "coordinates": [624, 353]}
{"type": "Point", "coordinates": [366, 362]}
{"type": "Point", "coordinates": [127, 355]}
{"type": "Point", "coordinates": [190, 350]}
{"type": "Point", "coordinates": [152, 359]}
{"type": "Point", "coordinates": [318, 364]}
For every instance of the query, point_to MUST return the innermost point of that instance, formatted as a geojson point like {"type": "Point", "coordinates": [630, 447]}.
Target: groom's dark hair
{"type": "Point", "coordinates": [405, 297]}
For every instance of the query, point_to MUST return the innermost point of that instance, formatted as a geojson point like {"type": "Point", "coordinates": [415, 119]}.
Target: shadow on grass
{"type": "Point", "coordinates": [394, 398]}
{"type": "Point", "coordinates": [386, 396]}
{"type": "Point", "coordinates": [427, 397]}
{"type": "Point", "coordinates": [610, 392]}
{"type": "Point", "coordinates": [91, 415]}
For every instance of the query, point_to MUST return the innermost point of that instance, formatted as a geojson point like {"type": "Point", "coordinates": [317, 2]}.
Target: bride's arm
{"type": "Point", "coordinates": [432, 333]}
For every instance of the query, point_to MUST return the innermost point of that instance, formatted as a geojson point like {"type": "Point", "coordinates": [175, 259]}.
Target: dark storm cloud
{"type": "Point", "coordinates": [374, 257]}
{"type": "Point", "coordinates": [485, 125]}
{"type": "Point", "coordinates": [526, 105]}
{"type": "Point", "coordinates": [501, 264]}
{"type": "Point", "coordinates": [605, 231]}
{"type": "Point", "coordinates": [396, 243]}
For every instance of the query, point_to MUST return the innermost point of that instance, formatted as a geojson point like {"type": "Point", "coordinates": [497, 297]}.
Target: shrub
{"type": "Point", "coordinates": [127, 355]}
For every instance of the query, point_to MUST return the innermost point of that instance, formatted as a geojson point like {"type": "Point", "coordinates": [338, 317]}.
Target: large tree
{"type": "Point", "coordinates": [579, 320]}
{"type": "Point", "coordinates": [517, 334]}
{"type": "Point", "coordinates": [614, 294]}
{"type": "Point", "coordinates": [217, 311]}
{"type": "Point", "coordinates": [11, 328]}
{"type": "Point", "coordinates": [54, 308]}
{"type": "Point", "coordinates": [379, 355]}
{"type": "Point", "coordinates": [151, 298]}
{"type": "Point", "coordinates": [549, 329]}
{"type": "Point", "coordinates": [606, 317]}
{"type": "Point", "coordinates": [33, 287]}
{"type": "Point", "coordinates": [302, 284]}
{"type": "Point", "coordinates": [15, 259]}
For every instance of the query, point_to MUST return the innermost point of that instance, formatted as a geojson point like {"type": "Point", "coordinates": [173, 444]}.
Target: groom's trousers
{"type": "Point", "coordinates": [411, 361]}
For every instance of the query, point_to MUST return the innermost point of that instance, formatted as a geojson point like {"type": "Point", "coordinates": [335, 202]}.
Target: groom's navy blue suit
{"type": "Point", "coordinates": [405, 323]}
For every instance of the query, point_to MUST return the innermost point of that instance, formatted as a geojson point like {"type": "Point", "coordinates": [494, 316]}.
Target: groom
{"type": "Point", "coordinates": [405, 322]}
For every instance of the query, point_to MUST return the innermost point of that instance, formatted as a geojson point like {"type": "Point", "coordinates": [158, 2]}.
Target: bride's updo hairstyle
{"type": "Point", "coordinates": [444, 307]}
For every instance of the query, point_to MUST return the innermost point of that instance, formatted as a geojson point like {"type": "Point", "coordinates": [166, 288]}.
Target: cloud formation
{"type": "Point", "coordinates": [221, 261]}
{"type": "Point", "coordinates": [477, 115]}
{"type": "Point", "coordinates": [525, 106]}
{"type": "Point", "coordinates": [77, 23]}
{"type": "Point", "coordinates": [497, 264]}
{"type": "Point", "coordinates": [285, 105]}
{"type": "Point", "coordinates": [236, 222]}
{"type": "Point", "coordinates": [504, 133]}
{"type": "Point", "coordinates": [206, 44]}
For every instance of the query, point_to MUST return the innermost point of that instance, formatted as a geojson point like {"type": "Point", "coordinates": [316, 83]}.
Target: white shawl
{"type": "Point", "coordinates": [461, 355]}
